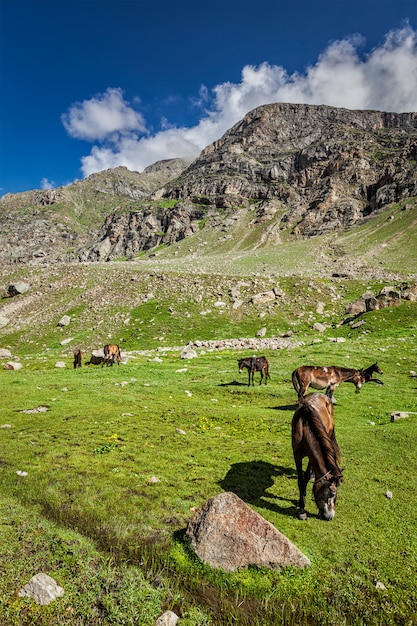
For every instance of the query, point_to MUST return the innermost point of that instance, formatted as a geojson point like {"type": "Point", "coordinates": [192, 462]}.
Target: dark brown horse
{"type": "Point", "coordinates": [329, 378]}
{"type": "Point", "coordinates": [112, 354]}
{"type": "Point", "coordinates": [255, 364]}
{"type": "Point", "coordinates": [313, 437]}
{"type": "Point", "coordinates": [77, 358]}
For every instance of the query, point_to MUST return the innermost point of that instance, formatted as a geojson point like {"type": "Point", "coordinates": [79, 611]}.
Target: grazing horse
{"type": "Point", "coordinates": [255, 364]}
{"type": "Point", "coordinates": [313, 437]}
{"type": "Point", "coordinates": [327, 378]}
{"type": "Point", "coordinates": [77, 358]}
{"type": "Point", "coordinates": [112, 354]}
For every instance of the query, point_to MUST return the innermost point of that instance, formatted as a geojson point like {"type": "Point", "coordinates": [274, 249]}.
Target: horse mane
{"type": "Point", "coordinates": [327, 443]}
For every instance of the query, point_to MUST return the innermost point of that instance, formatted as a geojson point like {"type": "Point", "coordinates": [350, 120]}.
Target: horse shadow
{"type": "Point", "coordinates": [285, 407]}
{"type": "Point", "coordinates": [251, 481]}
{"type": "Point", "coordinates": [233, 383]}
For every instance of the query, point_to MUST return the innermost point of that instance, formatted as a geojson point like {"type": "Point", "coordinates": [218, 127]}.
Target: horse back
{"type": "Point", "coordinates": [316, 409]}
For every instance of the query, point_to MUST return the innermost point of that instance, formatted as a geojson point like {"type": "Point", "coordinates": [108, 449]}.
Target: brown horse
{"type": "Point", "coordinates": [112, 354]}
{"type": "Point", "coordinates": [329, 378]}
{"type": "Point", "coordinates": [313, 437]}
{"type": "Point", "coordinates": [255, 364]}
{"type": "Point", "coordinates": [77, 358]}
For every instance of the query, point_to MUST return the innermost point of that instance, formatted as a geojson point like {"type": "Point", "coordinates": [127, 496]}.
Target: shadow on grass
{"type": "Point", "coordinates": [251, 481]}
{"type": "Point", "coordinates": [285, 407]}
{"type": "Point", "coordinates": [233, 383]}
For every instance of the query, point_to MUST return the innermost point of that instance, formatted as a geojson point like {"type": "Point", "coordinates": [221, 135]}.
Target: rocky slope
{"type": "Point", "coordinates": [306, 169]}
{"type": "Point", "coordinates": [329, 168]}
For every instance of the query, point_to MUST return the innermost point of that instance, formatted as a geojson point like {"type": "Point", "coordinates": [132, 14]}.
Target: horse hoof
{"type": "Point", "coordinates": [302, 515]}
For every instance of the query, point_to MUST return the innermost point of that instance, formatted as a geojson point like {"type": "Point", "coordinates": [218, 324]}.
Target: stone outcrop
{"type": "Point", "coordinates": [227, 534]}
{"type": "Point", "coordinates": [128, 234]}
{"type": "Point", "coordinates": [328, 168]}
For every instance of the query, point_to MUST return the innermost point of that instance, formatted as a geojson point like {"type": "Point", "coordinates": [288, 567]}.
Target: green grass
{"type": "Point", "coordinates": [88, 514]}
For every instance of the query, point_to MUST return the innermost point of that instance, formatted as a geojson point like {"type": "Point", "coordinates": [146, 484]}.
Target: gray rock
{"type": "Point", "coordinates": [188, 353]}
{"type": "Point", "coordinates": [5, 354]}
{"type": "Point", "coordinates": [17, 289]}
{"type": "Point", "coordinates": [12, 365]}
{"type": "Point", "coordinates": [64, 321]}
{"type": "Point", "coordinates": [226, 533]}
{"type": "Point", "coordinates": [169, 618]}
{"type": "Point", "coordinates": [41, 588]}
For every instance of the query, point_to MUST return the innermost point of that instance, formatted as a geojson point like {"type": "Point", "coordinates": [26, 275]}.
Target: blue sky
{"type": "Point", "coordinates": [91, 84]}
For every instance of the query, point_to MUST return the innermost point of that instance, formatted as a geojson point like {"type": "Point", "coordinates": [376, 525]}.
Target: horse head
{"type": "Point", "coordinates": [325, 494]}
{"type": "Point", "coordinates": [358, 379]}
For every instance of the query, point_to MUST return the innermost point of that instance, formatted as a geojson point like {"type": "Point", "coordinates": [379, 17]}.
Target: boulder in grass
{"type": "Point", "coordinates": [226, 533]}
{"type": "Point", "coordinates": [42, 589]}
{"type": "Point", "coordinates": [12, 365]}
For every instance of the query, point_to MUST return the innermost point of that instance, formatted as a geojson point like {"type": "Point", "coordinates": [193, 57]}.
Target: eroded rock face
{"type": "Point", "coordinates": [228, 534]}
{"type": "Point", "coordinates": [328, 167]}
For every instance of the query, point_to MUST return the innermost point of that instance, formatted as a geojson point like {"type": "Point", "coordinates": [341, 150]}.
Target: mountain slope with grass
{"type": "Point", "coordinates": [103, 467]}
{"type": "Point", "coordinates": [284, 172]}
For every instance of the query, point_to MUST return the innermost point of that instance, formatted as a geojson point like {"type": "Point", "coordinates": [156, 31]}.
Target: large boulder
{"type": "Point", "coordinates": [42, 589]}
{"type": "Point", "coordinates": [226, 533]}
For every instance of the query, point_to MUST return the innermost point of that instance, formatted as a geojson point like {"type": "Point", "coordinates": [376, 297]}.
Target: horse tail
{"type": "Point", "coordinates": [296, 381]}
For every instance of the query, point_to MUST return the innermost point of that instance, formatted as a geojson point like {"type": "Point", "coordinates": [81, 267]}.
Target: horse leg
{"type": "Point", "coordinates": [303, 478]}
{"type": "Point", "coordinates": [262, 375]}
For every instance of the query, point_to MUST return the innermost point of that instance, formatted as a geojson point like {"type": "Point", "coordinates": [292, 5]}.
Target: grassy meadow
{"type": "Point", "coordinates": [118, 458]}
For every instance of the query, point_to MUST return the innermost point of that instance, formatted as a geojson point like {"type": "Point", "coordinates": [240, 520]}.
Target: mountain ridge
{"type": "Point", "coordinates": [286, 170]}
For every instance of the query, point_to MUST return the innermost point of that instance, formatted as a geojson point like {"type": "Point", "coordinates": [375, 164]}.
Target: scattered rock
{"type": "Point", "coordinates": [16, 289]}
{"type": "Point", "coordinates": [396, 415]}
{"type": "Point", "coordinates": [169, 618]}
{"type": "Point", "coordinates": [188, 353]}
{"type": "Point", "coordinates": [320, 327]}
{"type": "Point", "coordinates": [5, 354]}
{"type": "Point", "coordinates": [60, 364]}
{"type": "Point", "coordinates": [358, 324]}
{"type": "Point", "coordinates": [388, 494]}
{"type": "Point", "coordinates": [380, 585]}
{"type": "Point", "coordinates": [226, 533]}
{"type": "Point", "coordinates": [65, 341]}
{"type": "Point", "coordinates": [12, 365]}
{"type": "Point", "coordinates": [41, 588]}
{"type": "Point", "coordinates": [261, 332]}
{"type": "Point", "coordinates": [262, 298]}
{"type": "Point", "coordinates": [64, 321]}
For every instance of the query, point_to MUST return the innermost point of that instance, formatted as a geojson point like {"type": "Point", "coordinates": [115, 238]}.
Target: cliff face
{"type": "Point", "coordinates": [310, 169]}
{"type": "Point", "coordinates": [330, 168]}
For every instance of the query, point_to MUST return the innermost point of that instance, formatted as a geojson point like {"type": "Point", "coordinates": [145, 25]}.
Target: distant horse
{"type": "Point", "coordinates": [369, 371]}
{"type": "Point", "coordinates": [77, 358]}
{"type": "Point", "coordinates": [329, 378]}
{"type": "Point", "coordinates": [313, 437]}
{"type": "Point", "coordinates": [255, 364]}
{"type": "Point", "coordinates": [112, 354]}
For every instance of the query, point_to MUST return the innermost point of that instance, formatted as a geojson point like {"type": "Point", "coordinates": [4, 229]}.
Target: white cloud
{"type": "Point", "coordinates": [384, 79]}
{"type": "Point", "coordinates": [47, 184]}
{"type": "Point", "coordinates": [103, 115]}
